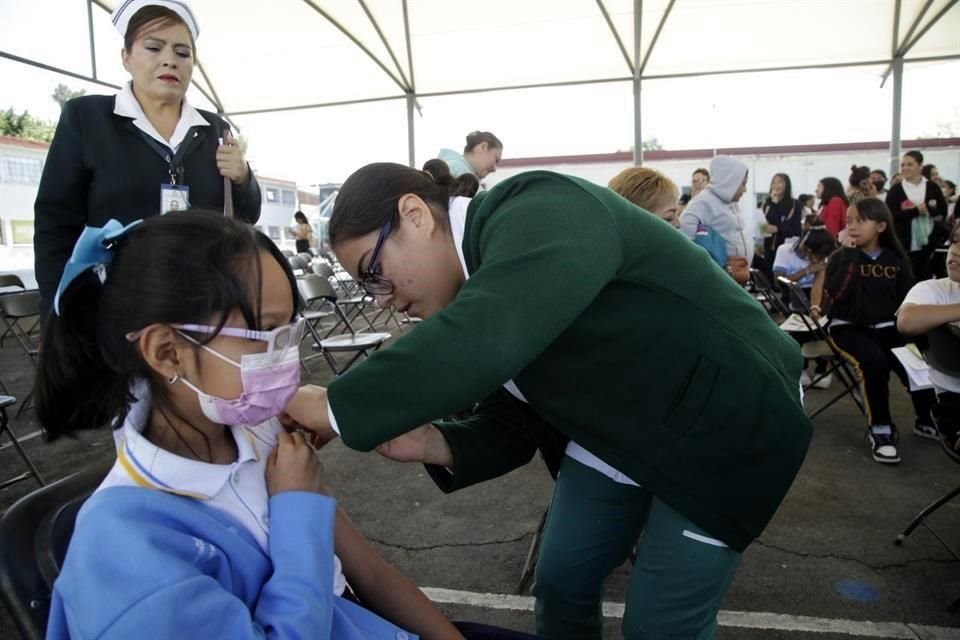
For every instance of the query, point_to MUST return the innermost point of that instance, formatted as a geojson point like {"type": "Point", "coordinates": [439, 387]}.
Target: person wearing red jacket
{"type": "Point", "coordinates": [833, 205]}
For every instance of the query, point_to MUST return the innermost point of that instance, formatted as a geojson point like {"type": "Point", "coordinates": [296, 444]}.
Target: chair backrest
{"type": "Point", "coordinates": [287, 253]}
{"type": "Point", "coordinates": [306, 255]}
{"type": "Point", "coordinates": [316, 287]}
{"type": "Point", "coordinates": [297, 262]}
{"type": "Point", "coordinates": [943, 349]}
{"type": "Point", "coordinates": [324, 270]}
{"type": "Point", "coordinates": [20, 305]}
{"type": "Point", "coordinates": [800, 304]}
{"type": "Point", "coordinates": [771, 297]}
{"type": "Point", "coordinates": [34, 534]}
{"type": "Point", "coordinates": [11, 280]}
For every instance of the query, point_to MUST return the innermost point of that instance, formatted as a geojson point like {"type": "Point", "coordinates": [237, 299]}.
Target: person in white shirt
{"type": "Point", "coordinates": [929, 305]}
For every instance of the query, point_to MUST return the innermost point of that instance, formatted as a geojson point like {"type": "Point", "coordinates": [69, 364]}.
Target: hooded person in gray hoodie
{"type": "Point", "coordinates": [715, 207]}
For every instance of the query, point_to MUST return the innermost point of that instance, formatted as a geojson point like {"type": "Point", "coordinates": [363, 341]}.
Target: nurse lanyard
{"type": "Point", "coordinates": [175, 163]}
{"type": "Point", "coordinates": [174, 160]}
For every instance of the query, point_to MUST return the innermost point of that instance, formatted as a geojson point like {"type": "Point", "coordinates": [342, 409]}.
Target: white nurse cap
{"type": "Point", "coordinates": [128, 8]}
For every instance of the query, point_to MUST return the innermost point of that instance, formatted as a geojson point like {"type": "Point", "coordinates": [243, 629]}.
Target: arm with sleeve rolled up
{"type": "Point", "coordinates": [384, 590]}
{"type": "Point", "coordinates": [496, 325]}
{"type": "Point", "coordinates": [60, 210]}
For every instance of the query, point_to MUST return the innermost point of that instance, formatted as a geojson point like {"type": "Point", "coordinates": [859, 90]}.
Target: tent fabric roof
{"type": "Point", "coordinates": [298, 53]}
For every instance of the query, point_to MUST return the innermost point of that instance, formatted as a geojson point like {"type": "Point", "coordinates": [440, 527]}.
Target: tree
{"type": "Point", "coordinates": [23, 125]}
{"type": "Point", "coordinates": [63, 93]}
{"type": "Point", "coordinates": [652, 144]}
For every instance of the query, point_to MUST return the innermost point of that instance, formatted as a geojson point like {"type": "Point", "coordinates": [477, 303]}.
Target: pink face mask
{"type": "Point", "coordinates": [270, 379]}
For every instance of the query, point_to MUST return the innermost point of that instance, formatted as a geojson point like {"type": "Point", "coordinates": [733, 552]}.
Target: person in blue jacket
{"type": "Point", "coordinates": [214, 522]}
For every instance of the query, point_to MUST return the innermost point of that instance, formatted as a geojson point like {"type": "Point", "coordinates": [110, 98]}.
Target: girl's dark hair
{"type": "Point", "coordinates": [300, 217]}
{"type": "Point", "coordinates": [916, 155]}
{"type": "Point", "coordinates": [952, 185]}
{"type": "Point", "coordinates": [818, 240]}
{"type": "Point", "coordinates": [465, 185]}
{"type": "Point", "coordinates": [190, 267]}
{"type": "Point", "coordinates": [804, 197]}
{"type": "Point", "coordinates": [787, 190]}
{"type": "Point", "coordinates": [881, 172]}
{"type": "Point", "coordinates": [858, 175]}
{"type": "Point", "coordinates": [927, 170]}
{"type": "Point", "coordinates": [153, 17]}
{"type": "Point", "coordinates": [368, 199]}
{"type": "Point", "coordinates": [476, 137]}
{"type": "Point", "coordinates": [876, 210]}
{"type": "Point", "coordinates": [832, 188]}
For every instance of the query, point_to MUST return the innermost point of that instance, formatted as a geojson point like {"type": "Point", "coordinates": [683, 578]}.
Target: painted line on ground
{"type": "Point", "coordinates": [733, 619]}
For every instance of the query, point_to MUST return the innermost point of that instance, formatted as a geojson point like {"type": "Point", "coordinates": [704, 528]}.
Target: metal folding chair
{"type": "Point", "coordinates": [822, 346]}
{"type": "Point", "coordinates": [315, 288]}
{"type": "Point", "coordinates": [9, 283]}
{"type": "Point", "coordinates": [14, 309]}
{"type": "Point", "coordinates": [17, 443]}
{"type": "Point", "coordinates": [766, 294]}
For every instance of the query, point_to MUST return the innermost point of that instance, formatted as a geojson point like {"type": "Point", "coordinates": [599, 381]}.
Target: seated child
{"type": "Point", "coordinates": [865, 283]}
{"type": "Point", "coordinates": [800, 260]}
{"type": "Point", "coordinates": [182, 333]}
{"type": "Point", "coordinates": [931, 304]}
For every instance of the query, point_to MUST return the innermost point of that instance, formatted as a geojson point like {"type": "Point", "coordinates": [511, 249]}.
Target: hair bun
{"type": "Point", "coordinates": [466, 185]}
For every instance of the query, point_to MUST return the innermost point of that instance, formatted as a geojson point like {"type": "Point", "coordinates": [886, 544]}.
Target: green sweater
{"type": "Point", "coordinates": [621, 333]}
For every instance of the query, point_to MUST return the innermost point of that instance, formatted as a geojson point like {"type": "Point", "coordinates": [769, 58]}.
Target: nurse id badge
{"type": "Point", "coordinates": [174, 197]}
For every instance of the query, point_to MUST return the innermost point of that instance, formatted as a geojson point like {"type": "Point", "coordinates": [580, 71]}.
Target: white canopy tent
{"type": "Point", "coordinates": [326, 53]}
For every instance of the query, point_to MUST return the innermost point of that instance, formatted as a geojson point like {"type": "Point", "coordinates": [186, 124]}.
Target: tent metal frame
{"type": "Point", "coordinates": [636, 64]}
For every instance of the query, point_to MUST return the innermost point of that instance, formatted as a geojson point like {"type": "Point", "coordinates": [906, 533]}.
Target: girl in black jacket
{"type": "Point", "coordinates": [866, 282]}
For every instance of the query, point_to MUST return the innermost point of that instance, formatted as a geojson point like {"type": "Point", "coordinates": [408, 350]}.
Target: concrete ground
{"type": "Point", "coordinates": [825, 568]}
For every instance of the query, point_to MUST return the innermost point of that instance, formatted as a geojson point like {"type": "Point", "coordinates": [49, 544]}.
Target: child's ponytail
{"type": "Point", "coordinates": [75, 388]}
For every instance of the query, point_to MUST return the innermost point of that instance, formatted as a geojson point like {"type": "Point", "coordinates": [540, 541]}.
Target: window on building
{"type": "Point", "coordinates": [273, 195]}
{"type": "Point", "coordinates": [22, 170]}
{"type": "Point", "coordinates": [21, 231]}
{"type": "Point", "coordinates": [288, 197]}
{"type": "Point", "coordinates": [274, 232]}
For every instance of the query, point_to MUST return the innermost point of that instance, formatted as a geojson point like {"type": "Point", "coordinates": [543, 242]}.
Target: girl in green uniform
{"type": "Point", "coordinates": [575, 320]}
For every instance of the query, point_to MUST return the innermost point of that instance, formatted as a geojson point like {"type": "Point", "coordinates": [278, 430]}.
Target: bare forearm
{"type": "Point", "coordinates": [385, 590]}
{"type": "Point", "coordinates": [920, 318]}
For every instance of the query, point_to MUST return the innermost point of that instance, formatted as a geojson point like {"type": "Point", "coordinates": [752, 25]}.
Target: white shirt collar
{"type": "Point", "coordinates": [915, 192]}
{"type": "Point", "coordinates": [127, 106]}
{"type": "Point", "coordinates": [157, 468]}
{"type": "Point", "coordinates": [457, 212]}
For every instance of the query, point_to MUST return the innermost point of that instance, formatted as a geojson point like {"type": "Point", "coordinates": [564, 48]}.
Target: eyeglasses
{"type": "Point", "coordinates": [278, 340]}
{"type": "Point", "coordinates": [371, 279]}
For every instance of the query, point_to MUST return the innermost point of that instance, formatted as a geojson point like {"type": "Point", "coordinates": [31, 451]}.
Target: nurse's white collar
{"type": "Point", "coordinates": [126, 105]}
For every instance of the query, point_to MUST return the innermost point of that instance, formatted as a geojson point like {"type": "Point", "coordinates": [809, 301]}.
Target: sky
{"type": "Point", "coordinates": [326, 145]}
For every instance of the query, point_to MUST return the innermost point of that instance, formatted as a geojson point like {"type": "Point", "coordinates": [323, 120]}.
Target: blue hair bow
{"type": "Point", "coordinates": [94, 250]}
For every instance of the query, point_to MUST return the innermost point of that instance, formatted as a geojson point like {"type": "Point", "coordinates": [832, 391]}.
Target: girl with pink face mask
{"type": "Point", "coordinates": [182, 333]}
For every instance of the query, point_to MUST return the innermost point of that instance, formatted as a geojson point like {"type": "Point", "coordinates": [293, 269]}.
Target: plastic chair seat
{"type": "Point", "coordinates": [6, 401]}
{"type": "Point", "coordinates": [816, 349]}
{"type": "Point", "coordinates": [354, 342]}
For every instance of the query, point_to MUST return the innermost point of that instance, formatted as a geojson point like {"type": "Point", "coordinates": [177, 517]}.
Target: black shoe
{"type": "Point", "coordinates": [884, 447]}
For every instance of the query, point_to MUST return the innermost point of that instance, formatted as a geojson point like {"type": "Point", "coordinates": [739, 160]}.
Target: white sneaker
{"type": "Point", "coordinates": [804, 378]}
{"type": "Point", "coordinates": [824, 382]}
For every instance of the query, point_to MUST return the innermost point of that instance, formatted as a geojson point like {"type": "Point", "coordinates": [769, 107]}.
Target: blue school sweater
{"type": "Point", "coordinates": [148, 564]}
